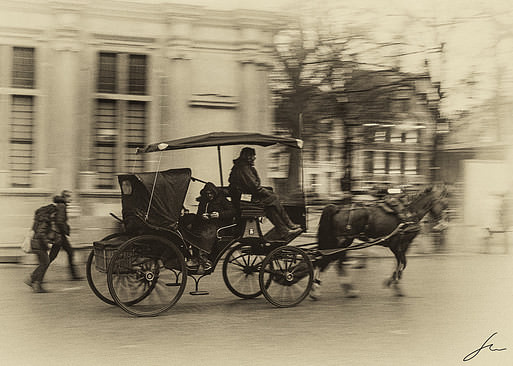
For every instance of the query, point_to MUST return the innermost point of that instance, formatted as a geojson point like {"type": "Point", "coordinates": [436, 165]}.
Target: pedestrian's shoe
{"type": "Point", "coordinates": [36, 286]}
{"type": "Point", "coordinates": [74, 274]}
{"type": "Point", "coordinates": [28, 281]}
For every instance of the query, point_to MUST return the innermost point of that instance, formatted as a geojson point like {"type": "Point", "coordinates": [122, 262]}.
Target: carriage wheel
{"type": "Point", "coordinates": [98, 280]}
{"type": "Point", "coordinates": [240, 271]}
{"type": "Point", "coordinates": [286, 276]}
{"type": "Point", "coordinates": [147, 275]}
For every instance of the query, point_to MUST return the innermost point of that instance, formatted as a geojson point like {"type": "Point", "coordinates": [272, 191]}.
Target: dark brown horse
{"type": "Point", "coordinates": [339, 226]}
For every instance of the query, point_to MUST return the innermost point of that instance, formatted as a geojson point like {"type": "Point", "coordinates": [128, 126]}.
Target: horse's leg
{"type": "Point", "coordinates": [393, 281]}
{"type": "Point", "coordinates": [319, 267]}
{"type": "Point", "coordinates": [345, 278]}
{"type": "Point", "coordinates": [402, 256]}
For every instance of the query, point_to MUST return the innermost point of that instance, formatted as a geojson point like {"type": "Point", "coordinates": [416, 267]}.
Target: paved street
{"type": "Point", "coordinates": [453, 304]}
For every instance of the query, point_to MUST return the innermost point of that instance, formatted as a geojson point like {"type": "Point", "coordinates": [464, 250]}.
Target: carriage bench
{"type": "Point", "coordinates": [250, 216]}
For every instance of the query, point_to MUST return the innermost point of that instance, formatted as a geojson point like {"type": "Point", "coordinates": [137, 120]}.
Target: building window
{"type": "Point", "coordinates": [21, 140]}
{"type": "Point", "coordinates": [121, 118]}
{"type": "Point", "coordinates": [106, 141]}
{"type": "Point", "coordinates": [137, 74]}
{"type": "Point", "coordinates": [21, 99]}
{"type": "Point", "coordinates": [396, 136]}
{"type": "Point", "coordinates": [394, 163]}
{"type": "Point", "coordinates": [412, 137]}
{"type": "Point", "coordinates": [368, 162]}
{"type": "Point", "coordinates": [379, 163]}
{"type": "Point", "coordinates": [23, 68]}
{"type": "Point", "coordinates": [107, 72]}
{"type": "Point", "coordinates": [134, 134]}
{"type": "Point", "coordinates": [380, 135]}
{"type": "Point", "coordinates": [411, 164]}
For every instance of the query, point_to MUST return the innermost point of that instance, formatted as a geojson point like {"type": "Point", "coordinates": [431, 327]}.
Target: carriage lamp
{"type": "Point", "coordinates": [126, 187]}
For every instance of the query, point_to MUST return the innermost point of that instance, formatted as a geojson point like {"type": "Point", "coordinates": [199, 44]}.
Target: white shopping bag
{"type": "Point", "coordinates": [26, 246]}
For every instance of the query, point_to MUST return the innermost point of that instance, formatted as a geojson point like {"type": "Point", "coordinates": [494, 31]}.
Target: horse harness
{"type": "Point", "coordinates": [402, 228]}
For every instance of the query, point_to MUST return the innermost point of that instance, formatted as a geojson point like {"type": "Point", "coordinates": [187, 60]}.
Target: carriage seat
{"type": "Point", "coordinates": [251, 210]}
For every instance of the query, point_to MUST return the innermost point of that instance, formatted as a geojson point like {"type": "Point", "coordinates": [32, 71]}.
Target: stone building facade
{"type": "Point", "coordinates": [83, 83]}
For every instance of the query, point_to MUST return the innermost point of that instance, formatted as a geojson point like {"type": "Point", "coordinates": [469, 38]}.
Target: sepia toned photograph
{"type": "Point", "coordinates": [246, 183]}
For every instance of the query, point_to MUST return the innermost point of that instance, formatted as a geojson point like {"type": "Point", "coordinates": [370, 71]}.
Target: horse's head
{"type": "Point", "coordinates": [430, 200]}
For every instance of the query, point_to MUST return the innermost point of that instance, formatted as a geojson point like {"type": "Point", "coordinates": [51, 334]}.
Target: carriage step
{"type": "Point", "coordinates": [198, 292]}
{"type": "Point", "coordinates": [173, 284]}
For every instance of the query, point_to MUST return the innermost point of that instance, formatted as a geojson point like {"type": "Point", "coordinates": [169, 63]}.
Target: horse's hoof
{"type": "Point", "coordinates": [387, 283]}
{"type": "Point", "coordinates": [353, 294]}
{"type": "Point", "coordinates": [350, 292]}
{"type": "Point", "coordinates": [398, 292]}
{"type": "Point", "coordinates": [315, 292]}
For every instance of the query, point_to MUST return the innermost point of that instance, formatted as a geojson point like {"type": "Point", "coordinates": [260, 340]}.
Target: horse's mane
{"type": "Point", "coordinates": [418, 197]}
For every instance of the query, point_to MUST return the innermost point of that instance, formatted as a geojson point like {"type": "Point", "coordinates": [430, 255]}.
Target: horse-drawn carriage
{"type": "Point", "coordinates": [143, 269]}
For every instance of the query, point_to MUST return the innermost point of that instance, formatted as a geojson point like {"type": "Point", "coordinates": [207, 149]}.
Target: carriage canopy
{"type": "Point", "coordinates": [222, 139]}
{"type": "Point", "coordinates": [156, 196]}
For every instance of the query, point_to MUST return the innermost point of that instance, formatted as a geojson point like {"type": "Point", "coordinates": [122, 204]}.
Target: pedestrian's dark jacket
{"type": "Point", "coordinates": [44, 232]}
{"type": "Point", "coordinates": [61, 217]}
{"type": "Point", "coordinates": [218, 204]}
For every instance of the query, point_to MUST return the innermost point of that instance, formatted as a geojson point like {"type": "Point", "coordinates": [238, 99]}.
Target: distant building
{"type": "Point", "coordinates": [83, 83]}
{"type": "Point", "coordinates": [392, 121]}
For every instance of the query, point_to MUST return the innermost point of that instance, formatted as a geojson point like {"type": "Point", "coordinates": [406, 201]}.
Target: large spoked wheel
{"type": "Point", "coordinates": [286, 276]}
{"type": "Point", "coordinates": [240, 271]}
{"type": "Point", "coordinates": [147, 275]}
{"type": "Point", "coordinates": [96, 279]}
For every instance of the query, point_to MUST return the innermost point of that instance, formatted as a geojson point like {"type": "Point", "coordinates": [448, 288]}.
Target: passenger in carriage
{"type": "Point", "coordinates": [244, 179]}
{"type": "Point", "coordinates": [214, 206]}
{"type": "Point", "coordinates": [214, 212]}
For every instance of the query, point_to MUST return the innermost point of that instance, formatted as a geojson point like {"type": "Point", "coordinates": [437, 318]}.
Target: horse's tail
{"type": "Point", "coordinates": [326, 234]}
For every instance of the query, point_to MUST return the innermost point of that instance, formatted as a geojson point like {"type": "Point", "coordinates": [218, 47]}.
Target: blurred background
{"type": "Point", "coordinates": [384, 94]}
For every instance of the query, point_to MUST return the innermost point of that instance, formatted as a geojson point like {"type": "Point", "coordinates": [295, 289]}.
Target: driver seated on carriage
{"type": "Point", "coordinates": [244, 179]}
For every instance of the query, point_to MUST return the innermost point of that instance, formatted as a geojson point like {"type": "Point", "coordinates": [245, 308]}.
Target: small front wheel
{"type": "Point", "coordinates": [286, 276]}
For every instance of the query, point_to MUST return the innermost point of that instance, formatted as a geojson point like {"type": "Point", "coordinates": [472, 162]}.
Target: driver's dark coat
{"type": "Point", "coordinates": [244, 178]}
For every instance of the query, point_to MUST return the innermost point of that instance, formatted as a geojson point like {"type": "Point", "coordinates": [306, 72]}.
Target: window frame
{"type": "Point", "coordinates": [18, 87]}
{"type": "Point", "coordinates": [123, 97]}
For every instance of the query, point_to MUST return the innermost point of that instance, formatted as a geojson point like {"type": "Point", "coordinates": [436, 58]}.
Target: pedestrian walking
{"type": "Point", "coordinates": [62, 232]}
{"type": "Point", "coordinates": [50, 227]}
